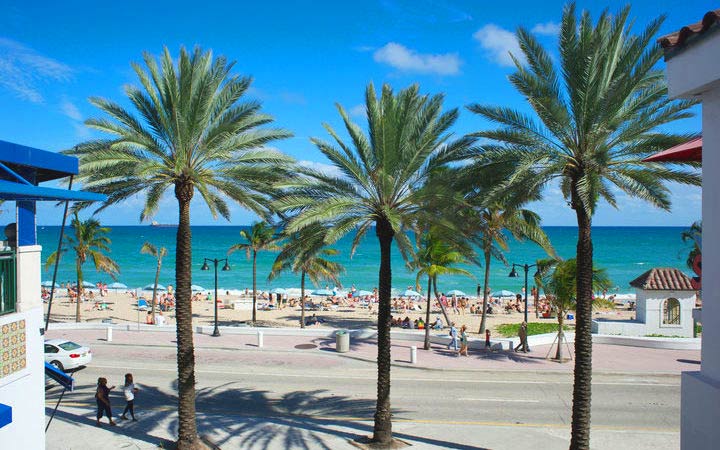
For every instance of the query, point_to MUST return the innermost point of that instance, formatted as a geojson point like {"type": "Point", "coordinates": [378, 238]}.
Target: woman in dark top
{"type": "Point", "coordinates": [102, 397]}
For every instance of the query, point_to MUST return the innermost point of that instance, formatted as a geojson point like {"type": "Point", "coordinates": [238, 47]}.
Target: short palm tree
{"type": "Point", "coordinates": [596, 118]}
{"type": "Point", "coordinates": [262, 237]}
{"type": "Point", "coordinates": [559, 281]}
{"type": "Point", "coordinates": [305, 253]}
{"type": "Point", "coordinates": [694, 236]}
{"type": "Point", "coordinates": [436, 255]}
{"type": "Point", "coordinates": [90, 241]}
{"type": "Point", "coordinates": [382, 185]}
{"type": "Point", "coordinates": [157, 253]}
{"type": "Point", "coordinates": [191, 131]}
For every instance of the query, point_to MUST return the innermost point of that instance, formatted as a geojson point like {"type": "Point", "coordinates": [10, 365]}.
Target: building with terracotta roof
{"type": "Point", "coordinates": [664, 299]}
{"type": "Point", "coordinates": [693, 72]}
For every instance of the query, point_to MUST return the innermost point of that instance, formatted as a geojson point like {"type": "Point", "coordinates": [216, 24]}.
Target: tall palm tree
{"type": "Point", "coordinates": [436, 255]}
{"type": "Point", "coordinates": [595, 118]}
{"type": "Point", "coordinates": [382, 184]}
{"type": "Point", "coordinates": [494, 222]}
{"type": "Point", "coordinates": [157, 253]}
{"type": "Point", "coordinates": [190, 130]}
{"type": "Point", "coordinates": [694, 236]}
{"type": "Point", "coordinates": [559, 280]}
{"type": "Point", "coordinates": [305, 253]}
{"type": "Point", "coordinates": [261, 237]}
{"type": "Point", "coordinates": [90, 241]}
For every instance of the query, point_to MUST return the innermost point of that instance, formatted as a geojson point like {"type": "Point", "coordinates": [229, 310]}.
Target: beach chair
{"type": "Point", "coordinates": [142, 304]}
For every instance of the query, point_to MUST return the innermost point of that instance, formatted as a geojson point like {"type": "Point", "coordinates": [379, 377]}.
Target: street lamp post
{"type": "Point", "coordinates": [514, 274]}
{"type": "Point", "coordinates": [226, 267]}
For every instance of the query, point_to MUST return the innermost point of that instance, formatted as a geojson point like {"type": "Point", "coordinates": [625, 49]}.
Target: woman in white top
{"type": "Point", "coordinates": [129, 389]}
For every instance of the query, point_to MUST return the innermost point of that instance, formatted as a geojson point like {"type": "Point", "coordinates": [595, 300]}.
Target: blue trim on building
{"type": "Point", "coordinates": [5, 415]}
{"type": "Point", "coordinates": [48, 165]}
{"type": "Point", "coordinates": [15, 191]}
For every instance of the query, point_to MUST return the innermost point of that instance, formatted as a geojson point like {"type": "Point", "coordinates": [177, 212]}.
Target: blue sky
{"type": "Point", "coordinates": [304, 57]}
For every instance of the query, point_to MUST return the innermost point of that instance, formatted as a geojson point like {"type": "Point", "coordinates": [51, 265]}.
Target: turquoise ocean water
{"type": "Point", "coordinates": [625, 252]}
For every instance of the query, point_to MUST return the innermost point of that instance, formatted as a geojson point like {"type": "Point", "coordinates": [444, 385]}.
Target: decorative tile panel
{"type": "Point", "coordinates": [12, 347]}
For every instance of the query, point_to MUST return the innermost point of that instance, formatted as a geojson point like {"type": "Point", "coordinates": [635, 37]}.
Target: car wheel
{"type": "Point", "coordinates": [58, 364]}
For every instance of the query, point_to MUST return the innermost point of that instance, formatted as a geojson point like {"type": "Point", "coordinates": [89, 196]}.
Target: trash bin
{"type": "Point", "coordinates": [342, 341]}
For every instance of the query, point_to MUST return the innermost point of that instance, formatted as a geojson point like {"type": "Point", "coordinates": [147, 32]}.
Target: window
{"type": "Point", "coordinates": [67, 346]}
{"type": "Point", "coordinates": [671, 312]}
{"type": "Point", "coordinates": [7, 283]}
{"type": "Point", "coordinates": [50, 348]}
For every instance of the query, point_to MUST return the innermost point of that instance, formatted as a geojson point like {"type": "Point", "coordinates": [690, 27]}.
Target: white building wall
{"type": "Point", "coordinates": [695, 73]}
{"type": "Point", "coordinates": [654, 302]}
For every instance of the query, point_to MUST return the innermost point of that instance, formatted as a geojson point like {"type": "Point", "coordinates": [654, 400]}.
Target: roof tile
{"type": "Point", "coordinates": [677, 39]}
{"type": "Point", "coordinates": [663, 279]}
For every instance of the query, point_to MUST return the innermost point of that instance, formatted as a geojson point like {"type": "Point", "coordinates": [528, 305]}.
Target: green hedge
{"type": "Point", "coordinates": [511, 329]}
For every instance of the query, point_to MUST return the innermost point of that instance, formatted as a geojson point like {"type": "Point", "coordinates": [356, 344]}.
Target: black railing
{"type": "Point", "coordinates": [8, 291]}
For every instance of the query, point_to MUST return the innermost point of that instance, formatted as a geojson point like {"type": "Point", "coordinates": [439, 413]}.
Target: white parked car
{"type": "Point", "coordinates": [66, 355]}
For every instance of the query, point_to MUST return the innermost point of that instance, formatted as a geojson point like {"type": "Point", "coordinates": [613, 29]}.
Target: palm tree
{"type": "Point", "coordinates": [694, 236]}
{"type": "Point", "coordinates": [437, 254]}
{"type": "Point", "coordinates": [561, 289]}
{"type": "Point", "coordinates": [305, 253]}
{"type": "Point", "coordinates": [595, 119]}
{"type": "Point", "coordinates": [382, 184]}
{"type": "Point", "coordinates": [157, 253]}
{"type": "Point", "coordinates": [89, 240]}
{"type": "Point", "coordinates": [494, 222]}
{"type": "Point", "coordinates": [261, 237]}
{"type": "Point", "coordinates": [190, 130]}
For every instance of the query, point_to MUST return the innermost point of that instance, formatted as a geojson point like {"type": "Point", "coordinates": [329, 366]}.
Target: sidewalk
{"type": "Point", "coordinates": [606, 358]}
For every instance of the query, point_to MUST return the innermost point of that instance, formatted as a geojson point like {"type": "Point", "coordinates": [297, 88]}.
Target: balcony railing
{"type": "Point", "coordinates": [8, 291]}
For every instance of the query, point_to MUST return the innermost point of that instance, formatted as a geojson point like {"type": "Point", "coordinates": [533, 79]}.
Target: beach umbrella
{"type": "Point", "coordinates": [410, 293]}
{"type": "Point", "coordinates": [503, 293]}
{"type": "Point", "coordinates": [48, 284]}
{"type": "Point", "coordinates": [117, 285]}
{"type": "Point", "coordinates": [362, 293]}
{"type": "Point", "coordinates": [88, 284]}
{"type": "Point", "coordinates": [278, 291]}
{"type": "Point", "coordinates": [456, 292]}
{"type": "Point", "coordinates": [150, 287]}
{"type": "Point", "coordinates": [323, 292]}
{"type": "Point", "coordinates": [194, 288]}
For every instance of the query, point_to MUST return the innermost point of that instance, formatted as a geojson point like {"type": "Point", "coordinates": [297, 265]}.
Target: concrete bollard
{"type": "Point", "coordinates": [413, 355]}
{"type": "Point", "coordinates": [108, 334]}
{"type": "Point", "coordinates": [259, 339]}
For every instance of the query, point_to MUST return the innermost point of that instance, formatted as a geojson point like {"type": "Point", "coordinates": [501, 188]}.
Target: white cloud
{"type": "Point", "coordinates": [499, 44]}
{"type": "Point", "coordinates": [407, 60]}
{"type": "Point", "coordinates": [327, 169]}
{"type": "Point", "coordinates": [23, 70]}
{"type": "Point", "coordinates": [69, 109]}
{"type": "Point", "coordinates": [546, 29]}
{"type": "Point", "coordinates": [358, 111]}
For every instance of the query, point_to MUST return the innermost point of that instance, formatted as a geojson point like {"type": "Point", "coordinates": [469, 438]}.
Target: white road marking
{"type": "Point", "coordinates": [353, 377]}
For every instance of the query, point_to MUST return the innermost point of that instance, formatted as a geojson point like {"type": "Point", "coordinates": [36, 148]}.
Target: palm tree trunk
{"type": "Point", "coordinates": [427, 316]}
{"type": "Point", "coordinates": [302, 300]}
{"type": "Point", "coordinates": [485, 292]}
{"type": "Point", "coordinates": [154, 299]}
{"type": "Point", "coordinates": [582, 382]}
{"type": "Point", "coordinates": [78, 299]}
{"type": "Point", "coordinates": [561, 335]}
{"type": "Point", "coordinates": [382, 431]}
{"type": "Point", "coordinates": [187, 426]}
{"type": "Point", "coordinates": [442, 307]}
{"type": "Point", "coordinates": [254, 314]}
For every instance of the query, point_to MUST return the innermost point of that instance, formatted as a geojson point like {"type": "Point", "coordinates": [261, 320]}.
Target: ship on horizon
{"type": "Point", "coordinates": [162, 225]}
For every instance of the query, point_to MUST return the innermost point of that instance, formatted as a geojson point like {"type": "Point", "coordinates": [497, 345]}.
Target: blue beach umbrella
{"type": "Point", "coordinates": [150, 287]}
{"type": "Point", "coordinates": [194, 288]}
{"type": "Point", "coordinates": [362, 293]}
{"type": "Point", "coordinates": [456, 292]}
{"type": "Point", "coordinates": [410, 293]}
{"type": "Point", "coordinates": [88, 284]}
{"type": "Point", "coordinates": [48, 284]}
{"type": "Point", "coordinates": [503, 293]}
{"type": "Point", "coordinates": [323, 292]}
{"type": "Point", "coordinates": [116, 286]}
{"type": "Point", "coordinates": [278, 291]}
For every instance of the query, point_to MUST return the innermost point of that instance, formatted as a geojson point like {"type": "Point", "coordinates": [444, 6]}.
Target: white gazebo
{"type": "Point", "coordinates": [693, 72]}
{"type": "Point", "coordinates": [665, 299]}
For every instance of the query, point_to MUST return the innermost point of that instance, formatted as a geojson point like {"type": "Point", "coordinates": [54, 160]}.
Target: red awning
{"type": "Point", "coordinates": [689, 151]}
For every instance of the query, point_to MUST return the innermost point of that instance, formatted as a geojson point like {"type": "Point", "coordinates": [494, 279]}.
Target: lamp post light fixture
{"type": "Point", "coordinates": [514, 274]}
{"type": "Point", "coordinates": [226, 267]}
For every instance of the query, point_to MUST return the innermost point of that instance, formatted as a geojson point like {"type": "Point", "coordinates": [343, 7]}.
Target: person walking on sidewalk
{"type": "Point", "coordinates": [463, 341]}
{"type": "Point", "coordinates": [522, 334]}
{"type": "Point", "coordinates": [129, 389]}
{"type": "Point", "coordinates": [102, 397]}
{"type": "Point", "coordinates": [453, 337]}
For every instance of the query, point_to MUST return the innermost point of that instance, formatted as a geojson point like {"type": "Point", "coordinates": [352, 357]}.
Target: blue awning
{"type": "Point", "coordinates": [24, 192]}
{"type": "Point", "coordinates": [46, 165]}
{"type": "Point", "coordinates": [61, 377]}
{"type": "Point", "coordinates": [5, 415]}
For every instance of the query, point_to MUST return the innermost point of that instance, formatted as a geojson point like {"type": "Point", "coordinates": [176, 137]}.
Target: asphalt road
{"type": "Point", "coordinates": [296, 399]}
